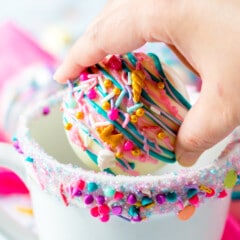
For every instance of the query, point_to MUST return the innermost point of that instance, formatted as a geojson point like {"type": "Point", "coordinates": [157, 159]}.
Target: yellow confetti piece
{"type": "Point", "coordinates": [79, 115]}
{"type": "Point", "coordinates": [140, 112]}
{"type": "Point", "coordinates": [137, 77]}
{"type": "Point", "coordinates": [161, 135]}
{"type": "Point", "coordinates": [230, 179]}
{"type": "Point", "coordinates": [25, 210]}
{"type": "Point", "coordinates": [138, 204]}
{"type": "Point", "coordinates": [116, 91]}
{"type": "Point", "coordinates": [107, 135]}
{"type": "Point", "coordinates": [119, 154]}
{"type": "Point", "coordinates": [161, 85]}
{"type": "Point", "coordinates": [136, 152]}
{"type": "Point", "coordinates": [107, 83]}
{"type": "Point", "coordinates": [106, 106]}
{"type": "Point", "coordinates": [150, 205]}
{"type": "Point", "coordinates": [133, 118]}
{"type": "Point", "coordinates": [205, 189]}
{"type": "Point", "coordinates": [68, 126]}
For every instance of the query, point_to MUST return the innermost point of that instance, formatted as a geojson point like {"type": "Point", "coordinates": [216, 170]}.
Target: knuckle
{"type": "Point", "coordinates": [96, 34]}
{"type": "Point", "coordinates": [93, 32]}
{"type": "Point", "coordinates": [195, 142]}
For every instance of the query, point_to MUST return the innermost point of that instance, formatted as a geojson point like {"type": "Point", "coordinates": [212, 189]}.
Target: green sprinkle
{"type": "Point", "coordinates": [109, 192]}
{"type": "Point", "coordinates": [230, 179]}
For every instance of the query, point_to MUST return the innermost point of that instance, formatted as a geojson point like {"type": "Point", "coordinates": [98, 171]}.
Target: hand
{"type": "Point", "coordinates": [204, 34]}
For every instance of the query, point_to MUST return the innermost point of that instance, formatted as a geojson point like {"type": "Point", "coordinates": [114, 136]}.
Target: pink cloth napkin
{"type": "Point", "coordinates": [3, 137]}
{"type": "Point", "coordinates": [10, 183]}
{"type": "Point", "coordinates": [18, 50]}
{"type": "Point", "coordinates": [232, 229]}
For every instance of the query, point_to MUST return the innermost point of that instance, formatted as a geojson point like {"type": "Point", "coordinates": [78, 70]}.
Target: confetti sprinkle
{"type": "Point", "coordinates": [186, 213]}
{"type": "Point", "coordinates": [25, 210]}
{"type": "Point", "coordinates": [46, 110]}
{"type": "Point", "coordinates": [230, 179]}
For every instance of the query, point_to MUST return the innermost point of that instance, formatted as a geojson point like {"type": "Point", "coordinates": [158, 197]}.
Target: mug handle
{"type": "Point", "coordinates": [10, 159]}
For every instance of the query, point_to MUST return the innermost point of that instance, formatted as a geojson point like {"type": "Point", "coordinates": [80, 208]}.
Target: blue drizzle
{"type": "Point", "coordinates": [94, 159]}
{"type": "Point", "coordinates": [158, 65]}
{"type": "Point", "coordinates": [126, 133]}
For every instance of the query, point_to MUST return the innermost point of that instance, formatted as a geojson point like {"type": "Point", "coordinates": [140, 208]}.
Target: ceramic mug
{"type": "Point", "coordinates": [71, 202]}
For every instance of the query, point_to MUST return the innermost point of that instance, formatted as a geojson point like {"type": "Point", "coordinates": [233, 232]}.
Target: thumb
{"type": "Point", "coordinates": [208, 122]}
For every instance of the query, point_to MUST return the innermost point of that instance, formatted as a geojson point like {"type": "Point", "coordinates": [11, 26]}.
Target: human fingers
{"type": "Point", "coordinates": [183, 59]}
{"type": "Point", "coordinates": [210, 120]}
{"type": "Point", "coordinates": [105, 35]}
{"type": "Point", "coordinates": [123, 26]}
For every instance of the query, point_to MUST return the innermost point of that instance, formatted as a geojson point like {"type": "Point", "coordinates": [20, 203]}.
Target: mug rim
{"type": "Point", "coordinates": [173, 188]}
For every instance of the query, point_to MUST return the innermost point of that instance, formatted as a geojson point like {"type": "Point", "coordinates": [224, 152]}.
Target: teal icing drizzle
{"type": "Point", "coordinates": [123, 163]}
{"type": "Point", "coordinates": [126, 133]}
{"type": "Point", "coordinates": [132, 59]}
{"type": "Point", "coordinates": [151, 144]}
{"type": "Point", "coordinates": [90, 154]}
{"type": "Point", "coordinates": [131, 132]}
{"type": "Point", "coordinates": [109, 76]}
{"type": "Point", "coordinates": [100, 90]}
{"type": "Point", "coordinates": [158, 65]}
{"type": "Point", "coordinates": [149, 99]}
{"type": "Point", "coordinates": [132, 165]}
{"type": "Point", "coordinates": [93, 157]}
{"type": "Point", "coordinates": [133, 129]}
{"type": "Point", "coordinates": [125, 67]}
{"type": "Point", "coordinates": [177, 94]}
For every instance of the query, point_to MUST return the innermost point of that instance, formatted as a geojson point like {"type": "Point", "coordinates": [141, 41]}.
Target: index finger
{"type": "Point", "coordinates": [113, 34]}
{"type": "Point", "coordinates": [84, 53]}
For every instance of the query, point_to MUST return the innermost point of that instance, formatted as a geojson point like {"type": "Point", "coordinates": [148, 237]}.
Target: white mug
{"type": "Point", "coordinates": [45, 168]}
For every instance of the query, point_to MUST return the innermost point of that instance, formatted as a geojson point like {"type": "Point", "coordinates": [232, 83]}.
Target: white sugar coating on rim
{"type": "Point", "coordinates": [210, 181]}
{"type": "Point", "coordinates": [170, 180]}
{"type": "Point", "coordinates": [36, 83]}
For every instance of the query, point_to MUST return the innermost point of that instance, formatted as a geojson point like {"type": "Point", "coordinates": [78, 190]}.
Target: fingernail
{"type": "Point", "coordinates": [58, 74]}
{"type": "Point", "coordinates": [187, 159]}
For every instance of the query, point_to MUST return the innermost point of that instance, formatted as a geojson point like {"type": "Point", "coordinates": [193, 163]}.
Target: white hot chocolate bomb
{"type": "Point", "coordinates": [122, 114]}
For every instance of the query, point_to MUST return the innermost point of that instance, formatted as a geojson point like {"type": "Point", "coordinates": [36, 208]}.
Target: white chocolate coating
{"type": "Point", "coordinates": [126, 124]}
